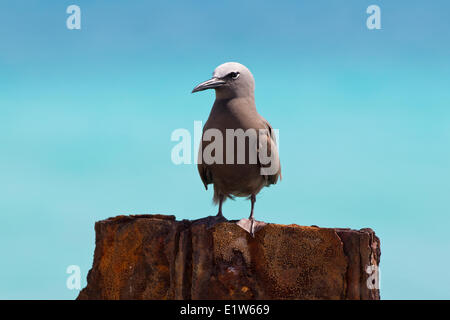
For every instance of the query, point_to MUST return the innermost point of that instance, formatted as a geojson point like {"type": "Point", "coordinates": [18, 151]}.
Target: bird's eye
{"type": "Point", "coordinates": [233, 75]}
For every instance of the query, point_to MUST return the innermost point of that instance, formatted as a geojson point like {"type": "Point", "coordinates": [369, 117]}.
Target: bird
{"type": "Point", "coordinates": [234, 109]}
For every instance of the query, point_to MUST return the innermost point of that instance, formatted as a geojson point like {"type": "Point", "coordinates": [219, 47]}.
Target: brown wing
{"type": "Point", "coordinates": [270, 141]}
{"type": "Point", "coordinates": [203, 170]}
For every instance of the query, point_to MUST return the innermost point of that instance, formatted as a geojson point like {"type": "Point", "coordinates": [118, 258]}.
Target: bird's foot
{"type": "Point", "coordinates": [251, 225]}
{"type": "Point", "coordinates": [210, 221]}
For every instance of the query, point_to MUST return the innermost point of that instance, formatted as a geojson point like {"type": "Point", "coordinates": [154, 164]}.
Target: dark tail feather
{"type": "Point", "coordinates": [216, 197]}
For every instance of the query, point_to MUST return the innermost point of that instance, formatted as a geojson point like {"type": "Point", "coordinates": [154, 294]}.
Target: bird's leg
{"type": "Point", "coordinates": [252, 220]}
{"type": "Point", "coordinates": [251, 225]}
{"type": "Point", "coordinates": [253, 200]}
{"type": "Point", "coordinates": [219, 214]}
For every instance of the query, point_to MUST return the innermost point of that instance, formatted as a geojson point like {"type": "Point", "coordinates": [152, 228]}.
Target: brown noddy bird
{"type": "Point", "coordinates": [234, 108]}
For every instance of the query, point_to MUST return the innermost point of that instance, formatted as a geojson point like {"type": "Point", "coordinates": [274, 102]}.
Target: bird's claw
{"type": "Point", "coordinates": [251, 225]}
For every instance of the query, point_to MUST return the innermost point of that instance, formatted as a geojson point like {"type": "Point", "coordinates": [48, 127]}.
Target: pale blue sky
{"type": "Point", "coordinates": [86, 118]}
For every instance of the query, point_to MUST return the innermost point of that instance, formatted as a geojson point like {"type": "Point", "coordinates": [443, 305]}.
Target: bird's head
{"type": "Point", "coordinates": [230, 80]}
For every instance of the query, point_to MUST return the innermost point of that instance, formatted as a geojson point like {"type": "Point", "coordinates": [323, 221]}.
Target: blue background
{"type": "Point", "coordinates": [86, 118]}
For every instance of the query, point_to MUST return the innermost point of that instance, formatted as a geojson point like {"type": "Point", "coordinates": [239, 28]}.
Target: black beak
{"type": "Point", "coordinates": [209, 84]}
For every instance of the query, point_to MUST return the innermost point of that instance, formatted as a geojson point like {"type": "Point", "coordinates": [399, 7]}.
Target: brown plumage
{"type": "Point", "coordinates": [234, 108]}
